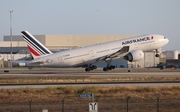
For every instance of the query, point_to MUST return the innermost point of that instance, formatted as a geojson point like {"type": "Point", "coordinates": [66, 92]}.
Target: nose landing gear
{"type": "Point", "coordinates": [157, 53]}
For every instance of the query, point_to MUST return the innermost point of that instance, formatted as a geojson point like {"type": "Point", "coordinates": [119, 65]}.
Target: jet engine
{"type": "Point", "coordinates": [134, 55]}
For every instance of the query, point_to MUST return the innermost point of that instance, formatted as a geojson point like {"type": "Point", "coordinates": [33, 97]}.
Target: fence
{"type": "Point", "coordinates": [105, 104]}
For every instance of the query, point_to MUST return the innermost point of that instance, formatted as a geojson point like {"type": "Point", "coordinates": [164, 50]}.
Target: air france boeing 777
{"type": "Point", "coordinates": [130, 49]}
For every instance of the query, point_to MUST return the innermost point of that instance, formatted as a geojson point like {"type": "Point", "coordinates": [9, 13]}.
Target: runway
{"type": "Point", "coordinates": [100, 84]}
{"type": "Point", "coordinates": [20, 70]}
{"type": "Point", "coordinates": [80, 73]}
{"type": "Point", "coordinates": [89, 74]}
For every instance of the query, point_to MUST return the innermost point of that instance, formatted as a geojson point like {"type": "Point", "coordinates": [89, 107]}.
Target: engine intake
{"type": "Point", "coordinates": [134, 55]}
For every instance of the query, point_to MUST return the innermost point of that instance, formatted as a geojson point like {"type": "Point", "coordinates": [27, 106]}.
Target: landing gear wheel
{"type": "Point", "coordinates": [112, 67]}
{"type": "Point", "coordinates": [93, 67]}
{"type": "Point", "coordinates": [109, 68]}
{"type": "Point", "coordinates": [87, 69]}
{"type": "Point", "coordinates": [157, 55]}
{"type": "Point", "coordinates": [105, 69]}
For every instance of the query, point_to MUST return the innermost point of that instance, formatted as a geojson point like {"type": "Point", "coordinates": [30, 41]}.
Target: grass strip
{"type": "Point", "coordinates": [91, 79]}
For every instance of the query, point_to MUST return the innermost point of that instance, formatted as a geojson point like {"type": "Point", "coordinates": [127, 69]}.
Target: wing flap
{"type": "Point", "coordinates": [117, 54]}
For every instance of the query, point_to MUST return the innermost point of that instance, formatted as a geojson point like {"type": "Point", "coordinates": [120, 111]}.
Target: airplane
{"type": "Point", "coordinates": [131, 49]}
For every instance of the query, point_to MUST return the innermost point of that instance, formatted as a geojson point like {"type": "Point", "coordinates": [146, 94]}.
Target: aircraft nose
{"type": "Point", "coordinates": [167, 40]}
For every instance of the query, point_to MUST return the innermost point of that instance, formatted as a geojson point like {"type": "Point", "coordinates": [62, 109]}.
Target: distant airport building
{"type": "Point", "coordinates": [61, 42]}
{"type": "Point", "coordinates": [171, 58]}
{"type": "Point", "coordinates": [57, 42]}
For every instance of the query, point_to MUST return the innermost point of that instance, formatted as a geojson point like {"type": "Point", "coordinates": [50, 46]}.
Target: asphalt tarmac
{"type": "Point", "coordinates": [99, 84]}
{"type": "Point", "coordinates": [90, 75]}
{"type": "Point", "coordinates": [80, 73]}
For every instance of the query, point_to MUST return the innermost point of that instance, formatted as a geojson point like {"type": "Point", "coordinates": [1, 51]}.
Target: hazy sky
{"type": "Point", "coordinates": [93, 17]}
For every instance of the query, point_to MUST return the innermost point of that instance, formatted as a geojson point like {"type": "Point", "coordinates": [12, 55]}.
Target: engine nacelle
{"type": "Point", "coordinates": [134, 55]}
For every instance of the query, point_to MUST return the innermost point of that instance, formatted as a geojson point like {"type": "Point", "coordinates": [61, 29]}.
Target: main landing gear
{"type": "Point", "coordinates": [109, 67]}
{"type": "Point", "coordinates": [91, 67]}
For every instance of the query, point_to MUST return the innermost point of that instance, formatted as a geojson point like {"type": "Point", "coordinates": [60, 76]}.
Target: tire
{"type": "Point", "coordinates": [87, 69]}
{"type": "Point", "coordinates": [105, 69]}
{"type": "Point", "coordinates": [157, 55]}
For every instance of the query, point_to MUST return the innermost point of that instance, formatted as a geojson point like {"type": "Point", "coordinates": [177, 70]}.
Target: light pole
{"type": "Point", "coordinates": [11, 31]}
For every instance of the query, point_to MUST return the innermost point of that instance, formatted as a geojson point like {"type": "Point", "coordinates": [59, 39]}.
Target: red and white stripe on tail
{"type": "Point", "coordinates": [36, 48]}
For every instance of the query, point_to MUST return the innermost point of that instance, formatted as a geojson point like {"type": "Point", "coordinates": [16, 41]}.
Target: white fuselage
{"type": "Point", "coordinates": [90, 54]}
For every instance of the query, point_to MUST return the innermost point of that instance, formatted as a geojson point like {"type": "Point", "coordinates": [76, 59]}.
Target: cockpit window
{"type": "Point", "coordinates": [165, 38]}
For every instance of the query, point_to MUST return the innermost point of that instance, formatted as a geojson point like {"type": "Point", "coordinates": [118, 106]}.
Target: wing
{"type": "Point", "coordinates": [117, 54]}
